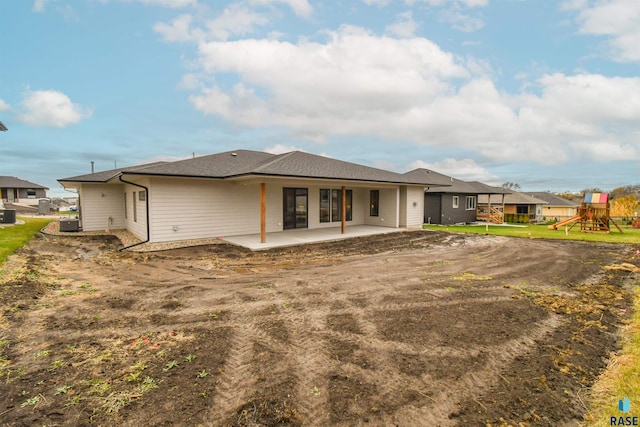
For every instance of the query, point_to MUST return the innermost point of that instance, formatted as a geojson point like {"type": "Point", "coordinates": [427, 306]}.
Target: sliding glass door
{"type": "Point", "coordinates": [295, 208]}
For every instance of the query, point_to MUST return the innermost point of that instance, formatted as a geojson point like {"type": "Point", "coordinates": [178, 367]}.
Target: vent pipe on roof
{"type": "Point", "coordinates": [234, 154]}
{"type": "Point", "coordinates": [92, 163]}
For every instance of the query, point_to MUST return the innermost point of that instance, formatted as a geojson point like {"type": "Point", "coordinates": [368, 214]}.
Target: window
{"type": "Point", "coordinates": [142, 196]}
{"type": "Point", "coordinates": [135, 208]}
{"type": "Point", "coordinates": [374, 203]}
{"type": "Point", "coordinates": [125, 206]}
{"type": "Point", "coordinates": [456, 202]}
{"type": "Point", "coordinates": [325, 206]}
{"type": "Point", "coordinates": [471, 203]}
{"type": "Point", "coordinates": [331, 205]}
{"type": "Point", "coordinates": [522, 209]}
{"type": "Point", "coordinates": [31, 194]}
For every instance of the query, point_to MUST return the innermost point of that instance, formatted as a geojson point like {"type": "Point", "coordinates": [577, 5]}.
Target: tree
{"type": "Point", "coordinates": [511, 186]}
{"type": "Point", "coordinates": [624, 206]}
{"type": "Point", "coordinates": [592, 190]}
{"type": "Point", "coordinates": [627, 190]}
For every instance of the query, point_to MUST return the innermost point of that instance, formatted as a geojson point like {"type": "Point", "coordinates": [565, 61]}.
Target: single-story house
{"type": "Point", "coordinates": [517, 207]}
{"type": "Point", "coordinates": [557, 208]}
{"type": "Point", "coordinates": [245, 192]}
{"type": "Point", "coordinates": [16, 190]}
{"type": "Point", "coordinates": [455, 201]}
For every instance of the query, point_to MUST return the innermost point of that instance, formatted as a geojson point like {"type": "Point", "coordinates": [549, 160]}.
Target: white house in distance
{"type": "Point", "coordinates": [245, 192]}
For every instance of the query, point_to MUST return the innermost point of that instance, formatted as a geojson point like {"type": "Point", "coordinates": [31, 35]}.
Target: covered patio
{"type": "Point", "coordinates": [307, 236]}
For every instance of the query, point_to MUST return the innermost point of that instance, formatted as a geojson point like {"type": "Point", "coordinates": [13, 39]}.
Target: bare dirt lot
{"type": "Point", "coordinates": [408, 329]}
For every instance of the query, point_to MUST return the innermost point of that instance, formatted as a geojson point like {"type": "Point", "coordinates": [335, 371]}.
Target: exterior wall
{"type": "Point", "coordinates": [20, 194]}
{"type": "Point", "coordinates": [403, 206]}
{"type": "Point", "coordinates": [136, 224]}
{"type": "Point", "coordinates": [102, 207]}
{"type": "Point", "coordinates": [451, 215]}
{"type": "Point", "coordinates": [414, 210]}
{"type": "Point", "coordinates": [388, 213]}
{"type": "Point", "coordinates": [432, 208]}
{"type": "Point", "coordinates": [559, 212]}
{"type": "Point", "coordinates": [183, 209]}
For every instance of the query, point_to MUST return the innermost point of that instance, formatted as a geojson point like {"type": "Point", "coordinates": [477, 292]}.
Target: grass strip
{"type": "Point", "coordinates": [621, 378]}
{"type": "Point", "coordinates": [532, 231]}
{"type": "Point", "coordinates": [14, 237]}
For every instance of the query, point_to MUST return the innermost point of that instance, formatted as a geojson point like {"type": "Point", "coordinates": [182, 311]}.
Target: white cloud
{"type": "Point", "coordinates": [466, 3]}
{"type": "Point", "coordinates": [616, 19]}
{"type": "Point", "coordinates": [50, 108]}
{"type": "Point", "coordinates": [379, 3]}
{"type": "Point", "coordinates": [404, 26]}
{"type": "Point", "coordinates": [461, 20]}
{"type": "Point", "coordinates": [356, 83]}
{"type": "Point", "coordinates": [300, 7]}
{"type": "Point", "coordinates": [237, 19]}
{"type": "Point", "coordinates": [465, 170]}
{"type": "Point", "coordinates": [179, 30]}
{"type": "Point", "coordinates": [4, 106]}
{"type": "Point", "coordinates": [281, 149]}
{"type": "Point", "coordinates": [190, 81]}
{"type": "Point", "coordinates": [39, 5]}
{"type": "Point", "coordinates": [353, 72]}
{"type": "Point", "coordinates": [174, 4]}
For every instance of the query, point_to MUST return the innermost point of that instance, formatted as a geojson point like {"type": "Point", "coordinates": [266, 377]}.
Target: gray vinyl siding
{"type": "Point", "coordinates": [433, 208]}
{"type": "Point", "coordinates": [447, 213]}
{"type": "Point", "coordinates": [98, 203]}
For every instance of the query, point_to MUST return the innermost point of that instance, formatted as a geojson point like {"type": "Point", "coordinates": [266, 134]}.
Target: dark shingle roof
{"type": "Point", "coordinates": [245, 162]}
{"type": "Point", "coordinates": [516, 198]}
{"type": "Point", "coordinates": [552, 199]}
{"type": "Point", "coordinates": [447, 184]}
{"type": "Point", "coordinates": [13, 182]}
{"type": "Point", "coordinates": [107, 175]}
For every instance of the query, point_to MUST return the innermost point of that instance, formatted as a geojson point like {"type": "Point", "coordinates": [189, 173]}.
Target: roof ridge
{"type": "Point", "coordinates": [275, 159]}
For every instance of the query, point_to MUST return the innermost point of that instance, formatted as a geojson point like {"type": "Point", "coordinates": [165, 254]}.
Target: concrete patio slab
{"type": "Point", "coordinates": [306, 236]}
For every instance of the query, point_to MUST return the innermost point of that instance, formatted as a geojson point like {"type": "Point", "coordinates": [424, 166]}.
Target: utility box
{"type": "Point", "coordinates": [69, 225]}
{"type": "Point", "coordinates": [7, 216]}
{"type": "Point", "coordinates": [44, 207]}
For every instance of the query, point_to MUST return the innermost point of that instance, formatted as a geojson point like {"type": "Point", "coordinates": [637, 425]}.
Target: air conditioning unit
{"type": "Point", "coordinates": [69, 225]}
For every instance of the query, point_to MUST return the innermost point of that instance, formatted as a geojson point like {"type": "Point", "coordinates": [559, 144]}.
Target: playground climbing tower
{"type": "Point", "coordinates": [593, 215]}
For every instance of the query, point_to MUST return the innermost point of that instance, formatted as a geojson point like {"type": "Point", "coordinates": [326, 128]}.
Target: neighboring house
{"type": "Point", "coordinates": [517, 207]}
{"type": "Point", "coordinates": [557, 208]}
{"type": "Point", "coordinates": [16, 190]}
{"type": "Point", "coordinates": [453, 203]}
{"type": "Point", "coordinates": [245, 192]}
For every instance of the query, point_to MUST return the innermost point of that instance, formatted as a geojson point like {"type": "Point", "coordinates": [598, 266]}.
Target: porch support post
{"type": "Point", "coordinates": [343, 225]}
{"type": "Point", "coordinates": [263, 213]}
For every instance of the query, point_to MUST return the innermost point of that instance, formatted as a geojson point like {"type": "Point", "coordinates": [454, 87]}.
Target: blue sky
{"type": "Point", "coordinates": [542, 93]}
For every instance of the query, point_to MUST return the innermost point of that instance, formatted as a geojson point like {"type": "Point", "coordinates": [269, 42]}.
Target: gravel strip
{"type": "Point", "coordinates": [127, 239]}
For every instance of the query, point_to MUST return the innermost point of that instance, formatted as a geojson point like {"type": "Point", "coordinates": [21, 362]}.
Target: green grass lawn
{"type": "Point", "coordinates": [629, 235]}
{"type": "Point", "coordinates": [14, 237]}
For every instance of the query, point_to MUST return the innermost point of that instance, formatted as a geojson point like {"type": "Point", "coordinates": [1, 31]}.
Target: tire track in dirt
{"type": "Point", "coordinates": [312, 362]}
{"type": "Point", "coordinates": [235, 381]}
{"type": "Point", "coordinates": [472, 383]}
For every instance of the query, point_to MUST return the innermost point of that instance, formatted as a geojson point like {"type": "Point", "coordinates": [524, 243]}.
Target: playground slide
{"type": "Point", "coordinates": [564, 222]}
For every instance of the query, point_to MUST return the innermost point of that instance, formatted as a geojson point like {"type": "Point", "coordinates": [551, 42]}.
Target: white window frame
{"type": "Point", "coordinates": [471, 203]}
{"type": "Point", "coordinates": [456, 202]}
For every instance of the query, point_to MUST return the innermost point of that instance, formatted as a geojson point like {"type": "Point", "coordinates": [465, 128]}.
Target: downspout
{"type": "Point", "coordinates": [147, 210]}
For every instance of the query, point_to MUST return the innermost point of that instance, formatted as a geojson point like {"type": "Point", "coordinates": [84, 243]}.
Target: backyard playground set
{"type": "Point", "coordinates": [593, 215]}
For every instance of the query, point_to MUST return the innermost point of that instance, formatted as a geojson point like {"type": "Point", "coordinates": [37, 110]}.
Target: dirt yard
{"type": "Point", "coordinates": [409, 329]}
